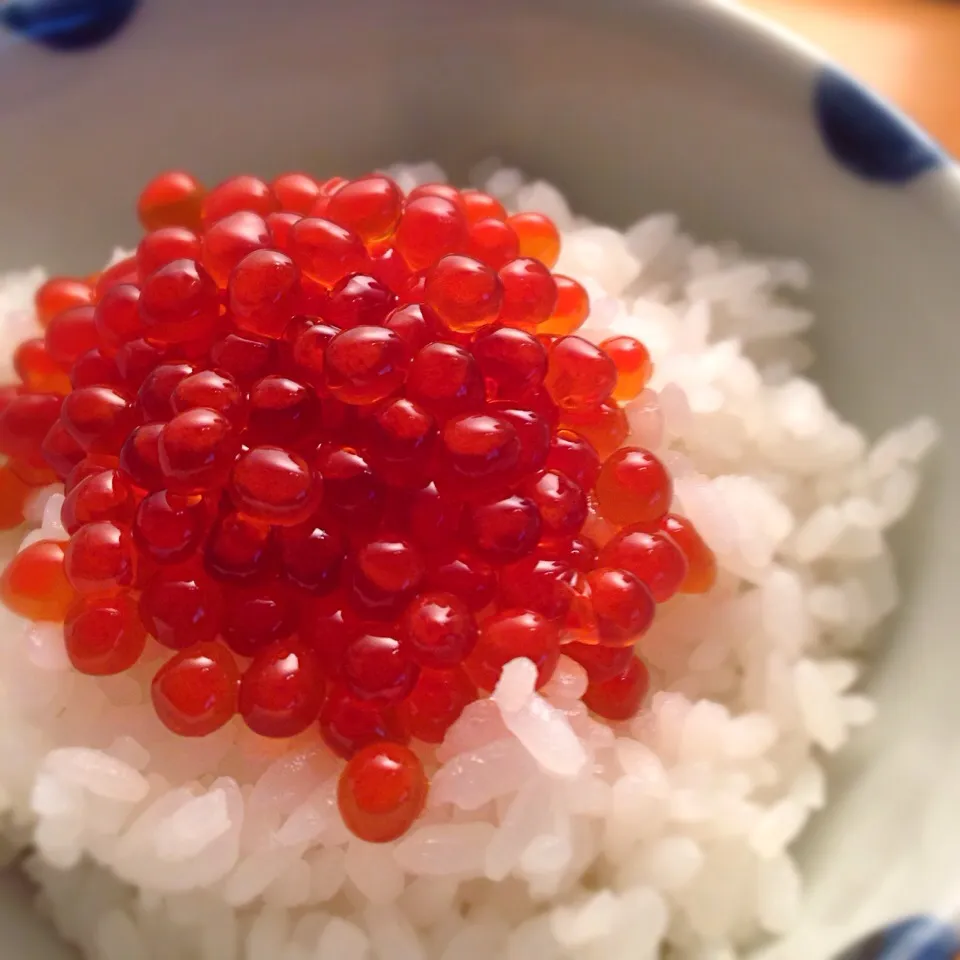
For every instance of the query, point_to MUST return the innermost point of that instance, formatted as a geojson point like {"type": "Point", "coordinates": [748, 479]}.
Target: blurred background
{"type": "Point", "coordinates": [909, 50]}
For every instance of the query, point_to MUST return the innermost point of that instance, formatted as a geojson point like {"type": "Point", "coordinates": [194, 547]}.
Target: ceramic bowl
{"type": "Point", "coordinates": [627, 107]}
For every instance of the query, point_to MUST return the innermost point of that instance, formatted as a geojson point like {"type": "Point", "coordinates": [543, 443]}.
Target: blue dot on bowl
{"type": "Point", "coordinates": [66, 24]}
{"type": "Point", "coordinates": [868, 136]}
{"type": "Point", "coordinates": [916, 938]}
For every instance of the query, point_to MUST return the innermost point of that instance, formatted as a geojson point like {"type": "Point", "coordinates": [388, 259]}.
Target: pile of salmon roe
{"type": "Point", "coordinates": [335, 448]}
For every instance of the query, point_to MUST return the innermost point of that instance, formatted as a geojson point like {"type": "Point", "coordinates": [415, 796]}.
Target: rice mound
{"type": "Point", "coordinates": [548, 834]}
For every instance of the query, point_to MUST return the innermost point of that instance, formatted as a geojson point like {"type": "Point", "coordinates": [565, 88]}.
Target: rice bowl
{"type": "Point", "coordinates": [546, 830]}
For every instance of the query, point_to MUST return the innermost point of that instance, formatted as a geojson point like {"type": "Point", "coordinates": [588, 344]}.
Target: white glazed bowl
{"type": "Point", "coordinates": [628, 106]}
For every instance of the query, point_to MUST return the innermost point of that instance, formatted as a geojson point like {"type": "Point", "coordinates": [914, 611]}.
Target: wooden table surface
{"type": "Point", "coordinates": [909, 50]}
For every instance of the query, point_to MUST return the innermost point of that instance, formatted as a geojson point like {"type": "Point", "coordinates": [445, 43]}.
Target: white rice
{"type": "Point", "coordinates": [548, 834]}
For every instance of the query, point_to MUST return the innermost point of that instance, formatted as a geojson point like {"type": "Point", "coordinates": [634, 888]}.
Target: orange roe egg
{"type": "Point", "coordinates": [570, 310]}
{"type": "Point", "coordinates": [382, 791]}
{"type": "Point", "coordinates": [538, 236]}
{"type": "Point", "coordinates": [651, 556]}
{"type": "Point", "coordinates": [236, 194]}
{"type": "Point", "coordinates": [181, 608]}
{"type": "Point", "coordinates": [24, 424]}
{"type": "Point", "coordinates": [633, 487]}
{"type": "Point", "coordinates": [621, 696]}
{"type": "Point", "coordinates": [231, 239]}
{"type": "Point", "coordinates": [701, 560]}
{"type": "Point", "coordinates": [172, 199]}
{"type": "Point", "coordinates": [492, 242]}
{"type": "Point", "coordinates": [282, 690]}
{"type": "Point", "coordinates": [464, 293]}
{"type": "Point", "coordinates": [37, 369]}
{"type": "Point", "coordinates": [325, 251]}
{"type": "Point", "coordinates": [101, 558]}
{"type": "Point", "coordinates": [370, 207]}
{"type": "Point", "coordinates": [510, 634]}
{"type": "Point", "coordinates": [529, 293]}
{"type": "Point", "coordinates": [263, 290]}
{"type": "Point", "coordinates": [296, 192]}
{"type": "Point", "coordinates": [443, 190]}
{"type": "Point", "coordinates": [195, 692]}
{"type": "Point", "coordinates": [365, 364]}
{"type": "Point", "coordinates": [604, 427]}
{"type": "Point", "coordinates": [59, 294]}
{"type": "Point", "coordinates": [436, 703]}
{"type": "Point", "coordinates": [579, 374]}
{"type": "Point", "coordinates": [430, 228]}
{"type": "Point", "coordinates": [13, 496]}
{"type": "Point", "coordinates": [634, 368]}
{"type": "Point", "coordinates": [103, 636]}
{"type": "Point", "coordinates": [34, 584]}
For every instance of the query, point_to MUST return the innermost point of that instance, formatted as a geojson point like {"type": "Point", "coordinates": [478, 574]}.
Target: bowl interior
{"type": "Point", "coordinates": [629, 108]}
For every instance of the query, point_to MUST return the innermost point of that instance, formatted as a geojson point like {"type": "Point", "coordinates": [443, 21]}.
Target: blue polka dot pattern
{"type": "Point", "coordinates": [916, 938]}
{"type": "Point", "coordinates": [66, 24]}
{"type": "Point", "coordinates": [866, 135]}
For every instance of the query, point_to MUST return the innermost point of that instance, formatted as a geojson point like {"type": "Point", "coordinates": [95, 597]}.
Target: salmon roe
{"type": "Point", "coordinates": [335, 448]}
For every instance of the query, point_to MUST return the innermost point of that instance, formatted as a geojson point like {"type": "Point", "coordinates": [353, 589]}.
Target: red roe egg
{"type": "Point", "coordinates": [327, 625]}
{"type": "Point", "coordinates": [244, 357]}
{"type": "Point", "coordinates": [25, 422]}
{"type": "Point", "coordinates": [156, 391]}
{"type": "Point", "coordinates": [623, 605]}
{"type": "Point", "coordinates": [619, 697]}
{"type": "Point", "coordinates": [101, 558]}
{"type": "Point", "coordinates": [571, 309]}
{"type": "Point", "coordinates": [365, 364]}
{"type": "Point", "coordinates": [605, 426]}
{"type": "Point", "coordinates": [529, 293]}
{"type": "Point", "coordinates": [172, 199]}
{"type": "Point", "coordinates": [282, 690]}
{"type": "Point", "coordinates": [430, 228]}
{"type": "Point", "coordinates": [195, 692]}
{"type": "Point", "coordinates": [538, 236]}
{"type": "Point", "coordinates": [168, 528]}
{"type": "Point", "coordinates": [255, 615]}
{"type": "Point", "coordinates": [37, 369]}
{"type": "Point", "coordinates": [239, 549]}
{"type": "Point", "coordinates": [104, 496]}
{"type": "Point", "coordinates": [103, 635]}
{"type": "Point", "coordinates": [478, 205]}
{"type": "Point", "coordinates": [575, 457]}
{"type": "Point", "coordinates": [163, 246]}
{"type": "Point", "coordinates": [436, 703]}
{"type": "Point", "coordinates": [382, 791]}
{"type": "Point", "coordinates": [60, 451]}
{"type": "Point", "coordinates": [370, 207]}
{"type": "Point", "coordinates": [13, 497]}
{"type": "Point", "coordinates": [311, 555]}
{"type": "Point", "coordinates": [532, 429]}
{"type": "Point", "coordinates": [179, 302]}
{"type": "Point", "coordinates": [479, 452]}
{"type": "Point", "coordinates": [262, 293]}
{"type": "Point", "coordinates": [442, 190]}
{"type": "Point", "coordinates": [34, 584]}
{"type": "Point", "coordinates": [413, 323]}
{"type": "Point", "coordinates": [94, 369]}
{"type": "Point", "coordinates": [509, 635]}
{"type": "Point", "coordinates": [651, 556]}
{"type": "Point", "coordinates": [140, 457]}
{"type": "Point", "coordinates": [465, 575]}
{"type": "Point", "coordinates": [275, 486]}
{"type": "Point", "coordinates": [438, 630]}
{"type": "Point", "coordinates": [633, 487]}
{"type": "Point", "coordinates": [136, 359]}
{"type": "Point", "coordinates": [280, 226]}
{"type": "Point", "coordinates": [123, 271]}
{"type": "Point", "coordinates": [445, 379]}
{"type": "Point", "coordinates": [580, 551]}
{"type": "Point", "coordinates": [562, 504]}
{"type": "Point", "coordinates": [602, 663]}
{"type": "Point", "coordinates": [229, 240]}
{"type": "Point", "coordinates": [347, 724]}
{"type": "Point", "coordinates": [326, 251]}
{"type": "Point", "coordinates": [401, 437]}
{"type": "Point", "coordinates": [281, 411]}
{"type": "Point", "coordinates": [58, 294]}
{"type": "Point", "coordinates": [181, 608]}
{"type": "Point", "coordinates": [242, 193]}
{"type": "Point", "coordinates": [546, 585]}
{"type": "Point", "coordinates": [197, 449]}
{"type": "Point", "coordinates": [464, 293]}
{"type": "Point", "coordinates": [210, 389]}
{"type": "Point", "coordinates": [506, 529]}
{"type": "Point", "coordinates": [70, 335]}
{"type": "Point", "coordinates": [117, 318]}
{"type": "Point", "coordinates": [579, 374]}
{"type": "Point", "coordinates": [295, 192]}
{"type": "Point", "coordinates": [376, 667]}
{"type": "Point", "coordinates": [358, 300]}
{"type": "Point", "coordinates": [512, 362]}
{"type": "Point", "coordinates": [701, 561]}
{"type": "Point", "coordinates": [492, 242]}
{"type": "Point", "coordinates": [351, 488]}
{"type": "Point", "coordinates": [98, 418]}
